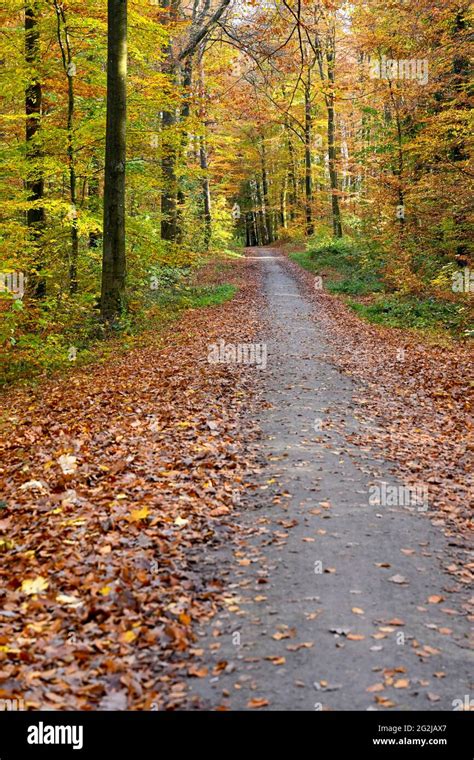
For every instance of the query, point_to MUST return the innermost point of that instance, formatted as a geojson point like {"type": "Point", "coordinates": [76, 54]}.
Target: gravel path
{"type": "Point", "coordinates": [334, 602]}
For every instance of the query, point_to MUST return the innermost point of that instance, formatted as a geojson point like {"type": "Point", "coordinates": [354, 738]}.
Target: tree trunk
{"type": "Point", "coordinates": [187, 79]}
{"type": "Point", "coordinates": [35, 217]}
{"type": "Point", "coordinates": [93, 200]}
{"type": "Point", "coordinates": [206, 192]}
{"type": "Point", "coordinates": [308, 159]}
{"type": "Point", "coordinates": [113, 262]}
{"type": "Point", "coordinates": [293, 194]}
{"type": "Point", "coordinates": [262, 220]}
{"type": "Point", "coordinates": [69, 70]}
{"type": "Point", "coordinates": [169, 196]}
{"type": "Point", "coordinates": [203, 162]}
{"type": "Point", "coordinates": [265, 196]}
{"type": "Point", "coordinates": [336, 214]}
{"type": "Point", "coordinates": [283, 195]}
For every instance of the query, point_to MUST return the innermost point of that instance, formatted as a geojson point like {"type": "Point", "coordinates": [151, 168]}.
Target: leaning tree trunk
{"type": "Point", "coordinates": [113, 261]}
{"type": "Point", "coordinates": [35, 218]}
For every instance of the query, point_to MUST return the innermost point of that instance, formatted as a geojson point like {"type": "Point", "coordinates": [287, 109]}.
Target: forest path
{"type": "Point", "coordinates": [336, 586]}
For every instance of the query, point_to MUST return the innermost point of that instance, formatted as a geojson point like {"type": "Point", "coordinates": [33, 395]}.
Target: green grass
{"type": "Point", "coordinates": [354, 270]}
{"type": "Point", "coordinates": [195, 297]}
{"type": "Point", "coordinates": [213, 296]}
{"type": "Point", "coordinates": [344, 267]}
{"type": "Point", "coordinates": [417, 313]}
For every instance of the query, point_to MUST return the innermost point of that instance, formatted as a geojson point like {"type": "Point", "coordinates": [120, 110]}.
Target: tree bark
{"type": "Point", "coordinates": [204, 163]}
{"type": "Point", "coordinates": [308, 159]}
{"type": "Point", "coordinates": [330, 103]}
{"type": "Point", "coordinates": [66, 54]}
{"type": "Point", "coordinates": [35, 217]}
{"type": "Point", "coordinates": [291, 172]}
{"type": "Point", "coordinates": [169, 197]}
{"type": "Point", "coordinates": [113, 262]}
{"type": "Point", "coordinates": [265, 196]}
{"type": "Point", "coordinates": [206, 192]}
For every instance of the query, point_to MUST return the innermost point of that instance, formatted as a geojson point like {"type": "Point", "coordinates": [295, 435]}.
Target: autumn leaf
{"type": "Point", "coordinates": [69, 601]}
{"type": "Point", "coordinates": [128, 636]}
{"type": "Point", "coordinates": [256, 703]}
{"type": "Point", "coordinates": [36, 585]}
{"type": "Point", "coordinates": [197, 672]}
{"type": "Point", "coordinates": [68, 464]}
{"type": "Point", "coordinates": [401, 683]}
{"type": "Point", "coordinates": [275, 660]}
{"type": "Point", "coordinates": [139, 514]}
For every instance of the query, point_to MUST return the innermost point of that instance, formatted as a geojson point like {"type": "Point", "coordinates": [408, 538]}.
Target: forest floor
{"type": "Point", "coordinates": [179, 533]}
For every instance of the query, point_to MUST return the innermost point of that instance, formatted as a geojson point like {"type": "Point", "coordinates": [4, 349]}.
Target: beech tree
{"type": "Point", "coordinates": [113, 262]}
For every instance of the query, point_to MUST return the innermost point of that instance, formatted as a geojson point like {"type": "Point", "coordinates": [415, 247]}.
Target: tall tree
{"type": "Point", "coordinates": [113, 261]}
{"type": "Point", "coordinates": [64, 41]}
{"type": "Point", "coordinates": [35, 217]}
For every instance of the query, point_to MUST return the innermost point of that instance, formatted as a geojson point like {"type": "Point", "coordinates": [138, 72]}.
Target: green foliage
{"type": "Point", "coordinates": [346, 265]}
{"type": "Point", "coordinates": [350, 267]}
{"type": "Point", "coordinates": [426, 314]}
{"type": "Point", "coordinates": [64, 332]}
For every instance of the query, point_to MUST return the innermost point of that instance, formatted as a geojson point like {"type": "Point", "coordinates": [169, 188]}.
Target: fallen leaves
{"type": "Point", "coordinates": [198, 672]}
{"type": "Point", "coordinates": [401, 683]}
{"type": "Point", "coordinates": [139, 514]}
{"type": "Point", "coordinates": [36, 585]}
{"type": "Point", "coordinates": [297, 647]}
{"type": "Point", "coordinates": [399, 579]}
{"type": "Point", "coordinates": [256, 703]}
{"type": "Point", "coordinates": [110, 501]}
{"type": "Point", "coordinates": [276, 660]}
{"type": "Point", "coordinates": [68, 464]}
{"type": "Point", "coordinates": [69, 601]}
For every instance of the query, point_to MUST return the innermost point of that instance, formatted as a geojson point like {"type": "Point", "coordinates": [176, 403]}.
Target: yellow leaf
{"type": "Point", "coordinates": [128, 637]}
{"type": "Point", "coordinates": [139, 514]}
{"type": "Point", "coordinates": [34, 585]}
